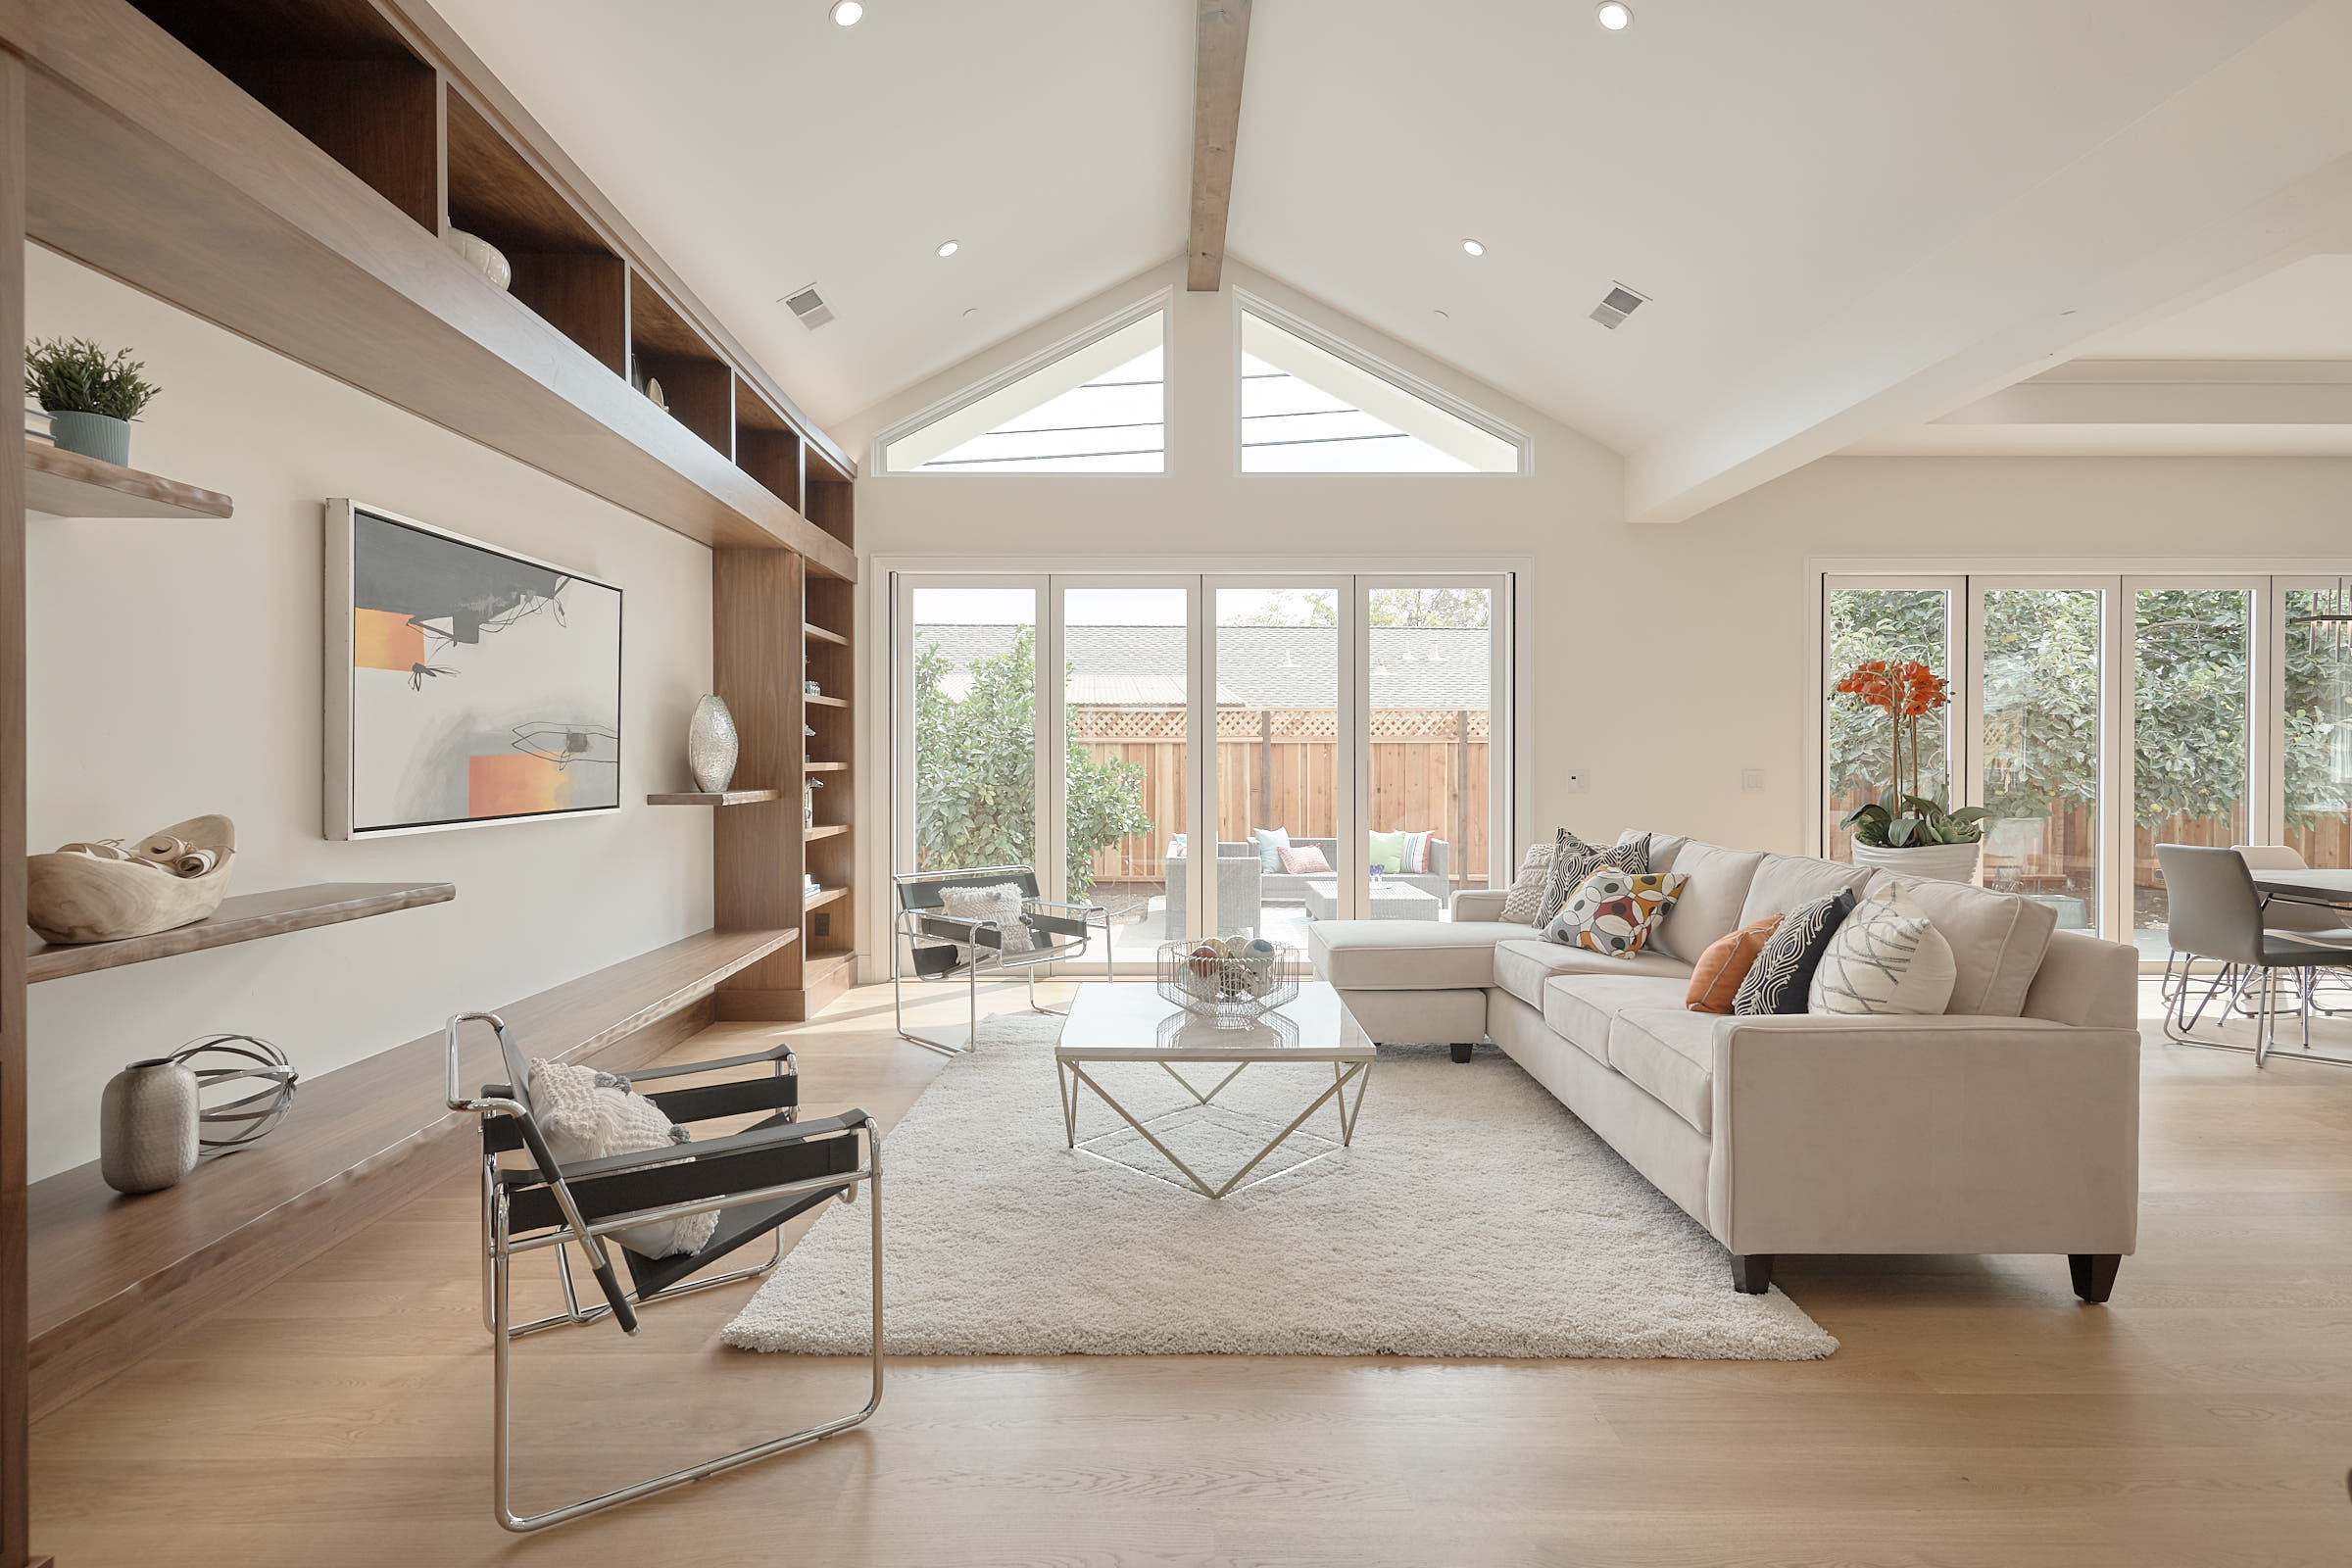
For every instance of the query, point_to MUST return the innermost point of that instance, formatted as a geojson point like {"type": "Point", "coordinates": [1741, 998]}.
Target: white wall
{"type": "Point", "coordinates": [175, 668]}
{"type": "Point", "coordinates": [1660, 660]}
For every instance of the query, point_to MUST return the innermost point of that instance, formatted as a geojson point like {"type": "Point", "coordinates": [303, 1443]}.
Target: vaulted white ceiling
{"type": "Point", "coordinates": [1853, 216]}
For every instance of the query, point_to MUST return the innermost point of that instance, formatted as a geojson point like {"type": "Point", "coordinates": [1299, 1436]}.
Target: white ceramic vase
{"type": "Point", "coordinates": [483, 256]}
{"type": "Point", "coordinates": [147, 1126]}
{"type": "Point", "coordinates": [1930, 863]}
{"type": "Point", "coordinates": [711, 745]}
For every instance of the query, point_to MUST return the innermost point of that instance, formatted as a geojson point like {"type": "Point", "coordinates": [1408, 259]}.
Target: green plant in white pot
{"type": "Point", "coordinates": [91, 396]}
{"type": "Point", "coordinates": [1915, 835]}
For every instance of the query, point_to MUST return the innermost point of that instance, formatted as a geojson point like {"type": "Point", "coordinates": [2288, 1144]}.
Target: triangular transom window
{"type": "Point", "coordinates": [1306, 409]}
{"type": "Point", "coordinates": [1101, 408]}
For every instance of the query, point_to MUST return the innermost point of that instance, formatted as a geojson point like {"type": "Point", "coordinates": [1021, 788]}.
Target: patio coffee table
{"type": "Point", "coordinates": [1391, 901]}
{"type": "Point", "coordinates": [1112, 1022]}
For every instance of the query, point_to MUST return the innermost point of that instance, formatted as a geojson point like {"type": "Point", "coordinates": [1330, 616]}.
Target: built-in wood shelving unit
{"type": "Point", "coordinates": [818, 899]}
{"type": "Point", "coordinates": [823, 767]}
{"type": "Point", "coordinates": [116, 1273]}
{"type": "Point", "coordinates": [247, 917]}
{"type": "Point", "coordinates": [68, 484]}
{"type": "Point", "coordinates": [829, 623]}
{"type": "Point", "coordinates": [834, 831]}
{"type": "Point", "coordinates": [290, 171]}
{"type": "Point", "coordinates": [818, 634]}
{"type": "Point", "coordinates": [827, 702]}
{"type": "Point", "coordinates": [716, 798]}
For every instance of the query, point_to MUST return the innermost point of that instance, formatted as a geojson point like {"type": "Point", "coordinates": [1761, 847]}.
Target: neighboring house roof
{"type": "Point", "coordinates": [1257, 666]}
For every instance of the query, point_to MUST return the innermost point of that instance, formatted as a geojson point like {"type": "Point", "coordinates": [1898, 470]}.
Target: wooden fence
{"type": "Point", "coordinates": [1279, 767]}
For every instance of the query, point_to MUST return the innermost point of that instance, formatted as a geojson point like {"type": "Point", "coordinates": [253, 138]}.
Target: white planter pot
{"type": "Point", "coordinates": [1931, 862]}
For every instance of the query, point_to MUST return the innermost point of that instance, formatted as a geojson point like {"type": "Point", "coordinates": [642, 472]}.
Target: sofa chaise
{"type": "Point", "coordinates": [2008, 1124]}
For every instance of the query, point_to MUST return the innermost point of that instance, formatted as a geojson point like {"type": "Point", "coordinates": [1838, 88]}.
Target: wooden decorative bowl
{"type": "Point", "coordinates": [80, 898]}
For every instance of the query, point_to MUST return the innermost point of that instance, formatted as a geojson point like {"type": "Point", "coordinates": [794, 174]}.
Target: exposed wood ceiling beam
{"type": "Point", "coordinates": [1222, 44]}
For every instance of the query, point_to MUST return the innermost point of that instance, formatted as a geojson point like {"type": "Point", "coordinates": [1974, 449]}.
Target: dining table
{"type": "Point", "coordinates": [2330, 888]}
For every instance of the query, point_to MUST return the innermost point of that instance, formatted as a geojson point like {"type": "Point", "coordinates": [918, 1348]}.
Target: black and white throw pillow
{"type": "Point", "coordinates": [1572, 860]}
{"type": "Point", "coordinates": [1784, 970]}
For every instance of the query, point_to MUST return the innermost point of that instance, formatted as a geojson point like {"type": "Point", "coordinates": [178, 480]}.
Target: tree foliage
{"type": "Point", "coordinates": [976, 769]}
{"type": "Point", "coordinates": [1452, 609]}
{"type": "Point", "coordinates": [2041, 660]}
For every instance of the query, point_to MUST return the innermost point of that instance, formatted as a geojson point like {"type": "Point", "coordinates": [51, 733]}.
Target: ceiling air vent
{"type": "Point", "coordinates": [811, 306]}
{"type": "Point", "coordinates": [1621, 303]}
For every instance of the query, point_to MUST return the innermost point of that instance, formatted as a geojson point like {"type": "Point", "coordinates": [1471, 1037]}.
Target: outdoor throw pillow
{"type": "Point", "coordinates": [1572, 860]}
{"type": "Point", "coordinates": [1416, 851]}
{"type": "Point", "coordinates": [1000, 904]}
{"type": "Point", "coordinates": [1269, 841]}
{"type": "Point", "coordinates": [1716, 979]}
{"type": "Point", "coordinates": [1614, 911]}
{"type": "Point", "coordinates": [1305, 861]}
{"type": "Point", "coordinates": [1387, 852]}
{"type": "Point", "coordinates": [1784, 970]}
{"type": "Point", "coordinates": [1885, 958]}
{"type": "Point", "coordinates": [1526, 895]}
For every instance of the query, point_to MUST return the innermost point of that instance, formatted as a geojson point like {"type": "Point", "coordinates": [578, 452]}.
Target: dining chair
{"type": "Point", "coordinates": [2314, 922]}
{"type": "Point", "coordinates": [2214, 913]}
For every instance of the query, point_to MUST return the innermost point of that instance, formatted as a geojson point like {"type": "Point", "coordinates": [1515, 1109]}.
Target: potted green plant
{"type": "Point", "coordinates": [1906, 831]}
{"type": "Point", "coordinates": [91, 396]}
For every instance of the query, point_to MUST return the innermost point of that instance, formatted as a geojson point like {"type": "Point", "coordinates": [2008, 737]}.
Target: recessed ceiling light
{"type": "Point", "coordinates": [1471, 247]}
{"type": "Point", "coordinates": [845, 12]}
{"type": "Point", "coordinates": [974, 311]}
{"type": "Point", "coordinates": [948, 249]}
{"type": "Point", "coordinates": [1441, 315]}
{"type": "Point", "coordinates": [1615, 15]}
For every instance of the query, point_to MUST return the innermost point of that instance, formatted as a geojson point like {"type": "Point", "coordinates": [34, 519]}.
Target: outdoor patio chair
{"type": "Point", "coordinates": [755, 1180]}
{"type": "Point", "coordinates": [931, 945]}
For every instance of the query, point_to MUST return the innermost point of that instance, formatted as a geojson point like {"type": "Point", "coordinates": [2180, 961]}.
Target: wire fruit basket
{"type": "Point", "coordinates": [1232, 982]}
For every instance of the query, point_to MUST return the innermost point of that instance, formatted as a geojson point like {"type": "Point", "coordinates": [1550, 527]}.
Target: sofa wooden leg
{"type": "Point", "coordinates": [1751, 1272]}
{"type": "Point", "coordinates": [1461, 1053]}
{"type": "Point", "coordinates": [2094, 1273]}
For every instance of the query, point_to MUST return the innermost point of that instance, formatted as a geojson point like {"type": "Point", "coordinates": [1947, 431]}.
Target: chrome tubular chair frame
{"type": "Point", "coordinates": [931, 947]}
{"type": "Point", "coordinates": [2215, 915]}
{"type": "Point", "coordinates": [788, 1165]}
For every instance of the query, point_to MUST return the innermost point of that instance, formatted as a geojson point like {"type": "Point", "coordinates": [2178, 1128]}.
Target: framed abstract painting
{"type": "Point", "coordinates": [466, 685]}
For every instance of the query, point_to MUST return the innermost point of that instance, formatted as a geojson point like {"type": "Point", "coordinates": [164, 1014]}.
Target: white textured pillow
{"type": "Point", "coordinates": [588, 1114]}
{"type": "Point", "coordinates": [1526, 897]}
{"type": "Point", "coordinates": [1885, 958]}
{"type": "Point", "coordinates": [1000, 904]}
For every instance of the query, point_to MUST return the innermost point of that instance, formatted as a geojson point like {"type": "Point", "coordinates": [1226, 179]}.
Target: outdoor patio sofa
{"type": "Point", "coordinates": [2008, 1124]}
{"type": "Point", "coordinates": [1238, 892]}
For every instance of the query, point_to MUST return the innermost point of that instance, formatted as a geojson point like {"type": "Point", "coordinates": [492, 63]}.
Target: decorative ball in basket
{"type": "Point", "coordinates": [1229, 981]}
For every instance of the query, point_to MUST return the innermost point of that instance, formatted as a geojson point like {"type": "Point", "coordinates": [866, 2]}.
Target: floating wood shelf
{"type": "Point", "coordinates": [826, 702]}
{"type": "Point", "coordinates": [716, 798]}
{"type": "Point", "coordinates": [823, 967]}
{"type": "Point", "coordinates": [111, 1275]}
{"type": "Point", "coordinates": [66, 484]}
{"type": "Point", "coordinates": [812, 834]}
{"type": "Point", "coordinates": [824, 767]}
{"type": "Point", "coordinates": [817, 900]}
{"type": "Point", "coordinates": [246, 917]}
{"type": "Point", "coordinates": [818, 634]}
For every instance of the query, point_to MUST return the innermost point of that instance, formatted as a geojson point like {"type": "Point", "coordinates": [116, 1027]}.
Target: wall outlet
{"type": "Point", "coordinates": [1751, 780]}
{"type": "Point", "coordinates": [1578, 782]}
{"type": "Point", "coordinates": [824, 925]}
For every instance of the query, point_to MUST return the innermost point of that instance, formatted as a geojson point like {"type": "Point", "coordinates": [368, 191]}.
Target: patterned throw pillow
{"type": "Point", "coordinates": [1716, 978]}
{"type": "Point", "coordinates": [1614, 911]}
{"type": "Point", "coordinates": [1305, 861]}
{"type": "Point", "coordinates": [1526, 897]}
{"type": "Point", "coordinates": [1572, 860]}
{"type": "Point", "coordinates": [1785, 968]}
{"type": "Point", "coordinates": [1885, 958]}
{"type": "Point", "coordinates": [1416, 851]}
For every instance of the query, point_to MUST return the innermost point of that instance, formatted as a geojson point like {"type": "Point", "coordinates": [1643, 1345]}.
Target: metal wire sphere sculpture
{"type": "Point", "coordinates": [218, 1059]}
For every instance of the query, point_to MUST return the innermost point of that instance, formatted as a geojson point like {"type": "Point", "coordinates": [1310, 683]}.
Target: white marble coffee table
{"type": "Point", "coordinates": [1133, 1022]}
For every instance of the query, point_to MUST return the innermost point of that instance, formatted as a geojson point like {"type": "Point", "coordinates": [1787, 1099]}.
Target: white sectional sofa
{"type": "Point", "coordinates": [2008, 1124]}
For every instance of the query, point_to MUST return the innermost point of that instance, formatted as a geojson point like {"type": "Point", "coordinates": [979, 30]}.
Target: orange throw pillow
{"type": "Point", "coordinates": [1716, 979]}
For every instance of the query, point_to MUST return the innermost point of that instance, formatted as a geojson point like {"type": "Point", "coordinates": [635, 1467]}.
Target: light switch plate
{"type": "Point", "coordinates": [1751, 780]}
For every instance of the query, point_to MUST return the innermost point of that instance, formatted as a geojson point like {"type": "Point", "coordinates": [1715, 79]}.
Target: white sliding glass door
{"type": "Point", "coordinates": [1154, 742]}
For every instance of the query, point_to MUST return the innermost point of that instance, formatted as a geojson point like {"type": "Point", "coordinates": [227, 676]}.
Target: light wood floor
{"type": "Point", "coordinates": [1977, 1413]}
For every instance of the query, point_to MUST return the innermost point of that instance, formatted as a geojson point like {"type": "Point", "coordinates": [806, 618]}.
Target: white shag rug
{"type": "Point", "coordinates": [1473, 1216]}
